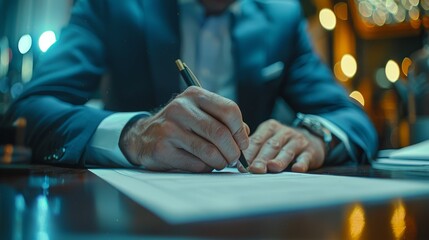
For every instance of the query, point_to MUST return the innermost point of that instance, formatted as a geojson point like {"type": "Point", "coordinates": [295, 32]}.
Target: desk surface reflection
{"type": "Point", "coordinates": [46, 202]}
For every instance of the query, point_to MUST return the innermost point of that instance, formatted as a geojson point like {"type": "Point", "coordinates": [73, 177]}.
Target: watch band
{"type": "Point", "coordinates": [315, 127]}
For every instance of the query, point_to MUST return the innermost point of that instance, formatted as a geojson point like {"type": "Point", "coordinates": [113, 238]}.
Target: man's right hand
{"type": "Point", "coordinates": [198, 131]}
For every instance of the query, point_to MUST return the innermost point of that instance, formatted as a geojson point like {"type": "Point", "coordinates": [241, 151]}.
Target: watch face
{"type": "Point", "coordinates": [313, 126]}
{"type": "Point", "coordinates": [316, 128]}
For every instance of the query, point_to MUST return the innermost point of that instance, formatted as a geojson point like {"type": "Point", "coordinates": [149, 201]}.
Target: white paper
{"type": "Point", "coordinates": [419, 151]}
{"type": "Point", "coordinates": [187, 197]}
{"type": "Point", "coordinates": [411, 158]}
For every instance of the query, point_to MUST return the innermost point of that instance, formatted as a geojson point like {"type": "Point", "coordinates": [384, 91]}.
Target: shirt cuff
{"type": "Point", "coordinates": [103, 148]}
{"type": "Point", "coordinates": [340, 134]}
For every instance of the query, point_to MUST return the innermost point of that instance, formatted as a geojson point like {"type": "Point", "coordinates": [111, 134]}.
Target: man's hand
{"type": "Point", "coordinates": [274, 146]}
{"type": "Point", "coordinates": [198, 131]}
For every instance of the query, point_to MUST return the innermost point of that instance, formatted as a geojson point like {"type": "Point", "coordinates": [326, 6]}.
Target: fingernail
{"type": "Point", "coordinates": [258, 165]}
{"type": "Point", "coordinates": [278, 161]}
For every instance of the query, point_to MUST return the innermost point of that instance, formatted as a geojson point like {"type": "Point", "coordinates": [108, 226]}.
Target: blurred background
{"type": "Point", "coordinates": [377, 49]}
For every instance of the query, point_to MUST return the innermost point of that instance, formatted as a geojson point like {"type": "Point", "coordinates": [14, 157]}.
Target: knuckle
{"type": "Point", "coordinates": [259, 161]}
{"type": "Point", "coordinates": [210, 151]}
{"type": "Point", "coordinates": [173, 108]}
{"type": "Point", "coordinates": [274, 144]}
{"type": "Point", "coordinates": [163, 130]}
{"type": "Point", "coordinates": [231, 110]}
{"type": "Point", "coordinates": [195, 146]}
{"type": "Point", "coordinates": [168, 127]}
{"type": "Point", "coordinates": [290, 154]}
{"type": "Point", "coordinates": [233, 106]}
{"type": "Point", "coordinates": [301, 140]}
{"type": "Point", "coordinates": [256, 140]}
{"type": "Point", "coordinates": [288, 134]}
{"type": "Point", "coordinates": [218, 132]}
{"type": "Point", "coordinates": [272, 123]}
{"type": "Point", "coordinates": [262, 158]}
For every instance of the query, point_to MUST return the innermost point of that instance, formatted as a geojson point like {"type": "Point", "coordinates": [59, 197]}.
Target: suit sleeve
{"type": "Point", "coordinates": [310, 88]}
{"type": "Point", "coordinates": [59, 126]}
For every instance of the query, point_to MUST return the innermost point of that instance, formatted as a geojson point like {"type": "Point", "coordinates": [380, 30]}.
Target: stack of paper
{"type": "Point", "coordinates": [414, 157]}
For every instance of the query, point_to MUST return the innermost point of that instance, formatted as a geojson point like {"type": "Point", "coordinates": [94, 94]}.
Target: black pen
{"type": "Point", "coordinates": [191, 80]}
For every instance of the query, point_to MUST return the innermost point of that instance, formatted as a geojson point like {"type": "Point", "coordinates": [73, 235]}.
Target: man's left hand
{"type": "Point", "coordinates": [274, 146]}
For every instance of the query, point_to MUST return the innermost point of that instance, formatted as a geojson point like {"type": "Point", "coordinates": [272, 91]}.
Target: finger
{"type": "Point", "coordinates": [302, 163]}
{"type": "Point", "coordinates": [258, 166]}
{"type": "Point", "coordinates": [247, 128]}
{"type": "Point", "coordinates": [257, 140]}
{"type": "Point", "coordinates": [182, 160]}
{"type": "Point", "coordinates": [273, 145]}
{"type": "Point", "coordinates": [295, 145]}
{"type": "Point", "coordinates": [200, 148]}
{"type": "Point", "coordinates": [269, 150]}
{"type": "Point", "coordinates": [173, 159]}
{"type": "Point", "coordinates": [223, 109]}
{"type": "Point", "coordinates": [214, 131]}
{"type": "Point", "coordinates": [241, 168]}
{"type": "Point", "coordinates": [281, 161]}
{"type": "Point", "coordinates": [242, 137]}
{"type": "Point", "coordinates": [189, 116]}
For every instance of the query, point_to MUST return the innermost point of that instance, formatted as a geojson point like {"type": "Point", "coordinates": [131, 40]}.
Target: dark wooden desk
{"type": "Point", "coordinates": [45, 202]}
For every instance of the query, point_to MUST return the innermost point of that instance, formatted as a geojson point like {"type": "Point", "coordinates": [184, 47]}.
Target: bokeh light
{"type": "Point", "coordinates": [391, 11]}
{"type": "Point", "coordinates": [327, 19]}
{"type": "Point", "coordinates": [46, 40]}
{"type": "Point", "coordinates": [392, 71]}
{"type": "Point", "coordinates": [340, 10]}
{"type": "Point", "coordinates": [25, 43]}
{"type": "Point", "coordinates": [381, 79]}
{"type": "Point", "coordinates": [348, 65]}
{"type": "Point", "coordinates": [406, 63]}
{"type": "Point", "coordinates": [339, 74]}
{"type": "Point", "coordinates": [356, 95]}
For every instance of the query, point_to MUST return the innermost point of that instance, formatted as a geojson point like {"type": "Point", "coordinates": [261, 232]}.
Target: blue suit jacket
{"type": "Point", "coordinates": [136, 43]}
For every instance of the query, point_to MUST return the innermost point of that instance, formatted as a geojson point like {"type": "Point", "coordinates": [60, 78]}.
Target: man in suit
{"type": "Point", "coordinates": [247, 54]}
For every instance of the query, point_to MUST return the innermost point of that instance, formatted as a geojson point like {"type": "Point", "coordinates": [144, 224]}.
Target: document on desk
{"type": "Point", "coordinates": [187, 197]}
{"type": "Point", "coordinates": [411, 158]}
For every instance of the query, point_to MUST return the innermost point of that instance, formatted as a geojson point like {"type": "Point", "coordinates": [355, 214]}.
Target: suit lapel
{"type": "Point", "coordinates": [163, 41]}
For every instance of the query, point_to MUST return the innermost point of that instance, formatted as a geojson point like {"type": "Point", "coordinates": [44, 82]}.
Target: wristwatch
{"type": "Point", "coordinates": [315, 127]}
